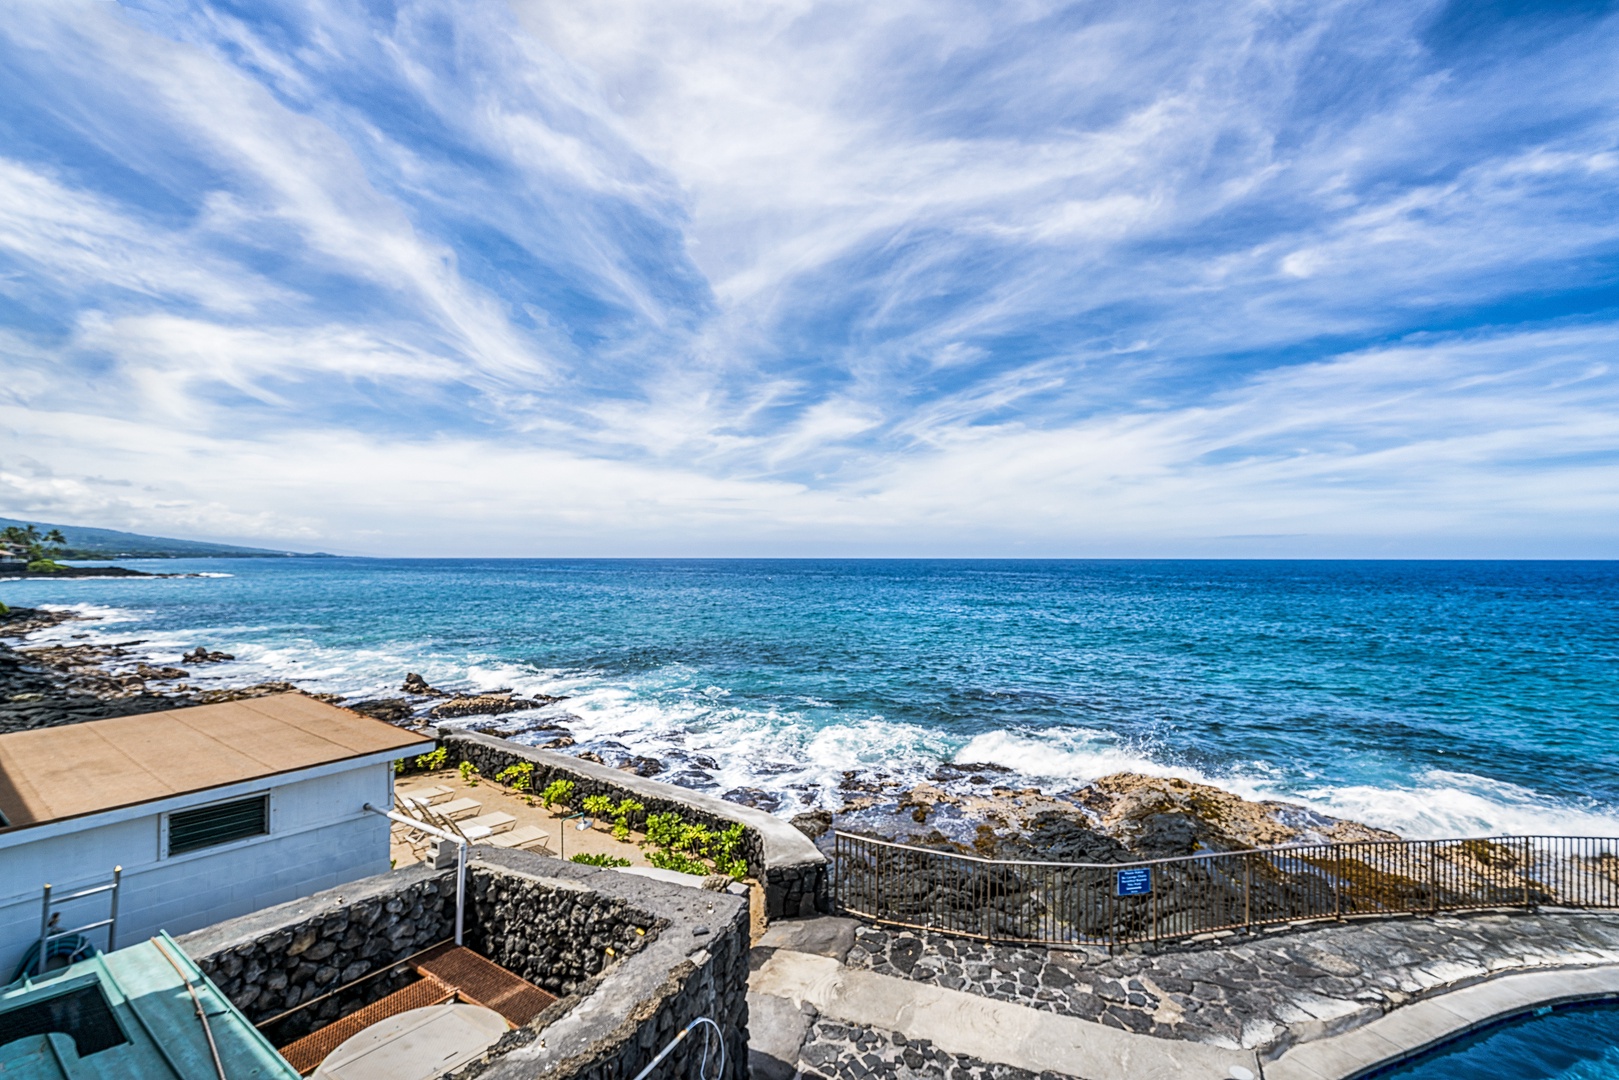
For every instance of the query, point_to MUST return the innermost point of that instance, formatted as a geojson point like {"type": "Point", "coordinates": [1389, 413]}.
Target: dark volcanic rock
{"type": "Point", "coordinates": [32, 696]}
{"type": "Point", "coordinates": [758, 798]}
{"type": "Point", "coordinates": [17, 621]}
{"type": "Point", "coordinates": [641, 766]}
{"type": "Point", "coordinates": [415, 684]}
{"type": "Point", "coordinates": [162, 674]}
{"type": "Point", "coordinates": [257, 690]}
{"type": "Point", "coordinates": [974, 772]}
{"type": "Point", "coordinates": [72, 572]}
{"type": "Point", "coordinates": [487, 705]}
{"type": "Point", "coordinates": [53, 685]}
{"type": "Point", "coordinates": [201, 655]}
{"type": "Point", "coordinates": [1165, 836]}
{"type": "Point", "coordinates": [1066, 838]}
{"type": "Point", "coordinates": [814, 824]}
{"type": "Point", "coordinates": [393, 710]}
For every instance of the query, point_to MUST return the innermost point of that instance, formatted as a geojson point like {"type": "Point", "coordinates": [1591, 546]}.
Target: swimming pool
{"type": "Point", "coordinates": [1579, 1041]}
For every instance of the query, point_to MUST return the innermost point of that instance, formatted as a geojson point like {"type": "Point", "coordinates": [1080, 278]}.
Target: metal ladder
{"type": "Point", "coordinates": [48, 921]}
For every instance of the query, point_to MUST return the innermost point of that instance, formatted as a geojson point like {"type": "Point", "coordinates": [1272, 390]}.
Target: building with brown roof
{"type": "Point", "coordinates": [211, 811]}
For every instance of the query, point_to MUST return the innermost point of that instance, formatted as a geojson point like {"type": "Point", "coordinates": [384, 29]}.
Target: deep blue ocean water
{"type": "Point", "coordinates": [1435, 698]}
{"type": "Point", "coordinates": [1579, 1043]}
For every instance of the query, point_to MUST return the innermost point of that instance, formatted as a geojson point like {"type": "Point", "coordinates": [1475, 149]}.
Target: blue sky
{"type": "Point", "coordinates": [623, 277]}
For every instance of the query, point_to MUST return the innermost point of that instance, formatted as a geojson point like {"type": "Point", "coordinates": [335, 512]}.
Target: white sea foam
{"type": "Point", "coordinates": [100, 613]}
{"type": "Point", "coordinates": [1441, 803]}
{"type": "Point", "coordinates": [1074, 755]}
{"type": "Point", "coordinates": [1436, 803]}
{"type": "Point", "coordinates": [674, 714]}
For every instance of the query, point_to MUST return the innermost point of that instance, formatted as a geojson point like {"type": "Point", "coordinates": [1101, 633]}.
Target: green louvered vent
{"type": "Point", "coordinates": [210, 825]}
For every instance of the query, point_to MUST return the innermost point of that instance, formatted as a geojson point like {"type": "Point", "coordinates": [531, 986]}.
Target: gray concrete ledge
{"type": "Point", "coordinates": [993, 1031]}
{"type": "Point", "coordinates": [246, 929]}
{"type": "Point", "coordinates": [1431, 1021]}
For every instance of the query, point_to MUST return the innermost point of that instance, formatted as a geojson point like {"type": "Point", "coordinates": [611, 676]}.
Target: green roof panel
{"type": "Point", "coordinates": [125, 1015]}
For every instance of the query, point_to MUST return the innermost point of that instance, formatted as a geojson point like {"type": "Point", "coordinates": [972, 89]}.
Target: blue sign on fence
{"type": "Point", "coordinates": [1136, 881]}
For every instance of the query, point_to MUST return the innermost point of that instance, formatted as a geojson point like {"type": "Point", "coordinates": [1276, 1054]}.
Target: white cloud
{"type": "Point", "coordinates": [710, 276]}
{"type": "Point", "coordinates": [1424, 444]}
{"type": "Point", "coordinates": [79, 240]}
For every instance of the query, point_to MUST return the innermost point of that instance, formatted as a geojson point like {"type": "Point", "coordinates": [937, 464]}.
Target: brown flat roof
{"type": "Point", "coordinates": [63, 772]}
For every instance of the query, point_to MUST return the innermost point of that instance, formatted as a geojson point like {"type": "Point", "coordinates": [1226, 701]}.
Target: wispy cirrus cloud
{"type": "Point", "coordinates": [816, 277]}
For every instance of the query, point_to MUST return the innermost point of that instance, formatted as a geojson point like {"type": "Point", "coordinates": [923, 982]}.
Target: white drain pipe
{"type": "Point", "coordinates": [460, 843]}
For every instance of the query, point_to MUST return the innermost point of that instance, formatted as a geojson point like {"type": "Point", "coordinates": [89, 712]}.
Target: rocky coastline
{"type": "Point", "coordinates": [975, 809]}
{"type": "Point", "coordinates": [12, 570]}
{"type": "Point", "coordinates": [56, 684]}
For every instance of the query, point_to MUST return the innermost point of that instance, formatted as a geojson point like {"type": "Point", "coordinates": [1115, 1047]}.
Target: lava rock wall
{"type": "Point", "coordinates": [277, 959]}
{"type": "Point", "coordinates": [555, 933]}
{"type": "Point", "coordinates": [692, 962]}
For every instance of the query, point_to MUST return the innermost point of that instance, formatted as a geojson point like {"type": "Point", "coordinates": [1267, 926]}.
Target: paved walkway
{"type": "Point", "coordinates": [973, 1027]}
{"type": "Point", "coordinates": [1260, 992]}
{"type": "Point", "coordinates": [822, 1005]}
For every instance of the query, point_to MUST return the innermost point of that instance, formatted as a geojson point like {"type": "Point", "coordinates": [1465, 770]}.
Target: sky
{"type": "Point", "coordinates": [665, 277]}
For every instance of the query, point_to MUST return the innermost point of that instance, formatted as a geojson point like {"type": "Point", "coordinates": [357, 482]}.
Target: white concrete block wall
{"type": "Point", "coordinates": [320, 837]}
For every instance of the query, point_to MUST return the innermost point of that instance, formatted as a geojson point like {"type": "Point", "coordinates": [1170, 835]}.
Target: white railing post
{"type": "Point", "coordinates": [460, 858]}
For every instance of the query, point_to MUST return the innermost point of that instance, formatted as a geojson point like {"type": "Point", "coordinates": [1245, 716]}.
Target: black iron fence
{"type": "Point", "coordinates": [1061, 904]}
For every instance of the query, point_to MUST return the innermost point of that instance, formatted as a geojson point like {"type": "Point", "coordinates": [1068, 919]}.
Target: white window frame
{"type": "Point", "coordinates": [268, 794]}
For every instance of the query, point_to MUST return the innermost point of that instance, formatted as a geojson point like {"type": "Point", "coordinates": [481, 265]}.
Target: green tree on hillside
{"type": "Point", "coordinates": [39, 550]}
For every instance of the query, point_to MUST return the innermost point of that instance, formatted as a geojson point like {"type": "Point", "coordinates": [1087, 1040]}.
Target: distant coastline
{"type": "Point", "coordinates": [87, 544]}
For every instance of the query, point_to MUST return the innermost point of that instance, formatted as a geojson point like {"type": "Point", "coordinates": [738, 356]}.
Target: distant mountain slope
{"type": "Point", "coordinates": [86, 543]}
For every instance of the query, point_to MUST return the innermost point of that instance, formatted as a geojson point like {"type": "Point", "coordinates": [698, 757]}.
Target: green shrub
{"type": "Point", "coordinates": [674, 860]}
{"type": "Point", "coordinates": [597, 806]}
{"type": "Point", "coordinates": [469, 773]}
{"type": "Point", "coordinates": [519, 777]}
{"type": "Point", "coordinates": [696, 840]}
{"type": "Point", "coordinates": [45, 566]}
{"type": "Point", "coordinates": [4, 610]}
{"type": "Point", "coordinates": [663, 830]}
{"type": "Point", "coordinates": [728, 848]}
{"type": "Point", "coordinates": [558, 791]}
{"type": "Point", "coordinates": [433, 760]}
{"type": "Point", "coordinates": [599, 860]}
{"type": "Point", "coordinates": [621, 817]}
{"type": "Point", "coordinates": [679, 846]}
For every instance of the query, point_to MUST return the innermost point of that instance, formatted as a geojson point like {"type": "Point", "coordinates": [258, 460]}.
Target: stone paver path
{"type": "Point", "coordinates": [972, 1028]}
{"type": "Point", "coordinates": [839, 1051]}
{"type": "Point", "coordinates": [1261, 992]}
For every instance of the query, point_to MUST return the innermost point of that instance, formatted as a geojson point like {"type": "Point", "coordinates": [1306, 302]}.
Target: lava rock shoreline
{"type": "Point", "coordinates": [969, 808]}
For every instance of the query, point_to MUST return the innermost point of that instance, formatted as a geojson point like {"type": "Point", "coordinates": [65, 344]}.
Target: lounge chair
{"type": "Point", "coordinates": [529, 836]}
{"type": "Point", "coordinates": [496, 822]}
{"type": "Point", "coordinates": [457, 809]}
{"type": "Point", "coordinates": [428, 796]}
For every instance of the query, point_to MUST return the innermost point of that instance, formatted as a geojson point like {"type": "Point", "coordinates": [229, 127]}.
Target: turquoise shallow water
{"type": "Point", "coordinates": [1580, 1043]}
{"type": "Point", "coordinates": [1434, 698]}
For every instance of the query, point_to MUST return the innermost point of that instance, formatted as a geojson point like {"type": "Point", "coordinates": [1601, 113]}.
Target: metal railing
{"type": "Point", "coordinates": [1071, 904]}
{"type": "Point", "coordinates": [50, 929]}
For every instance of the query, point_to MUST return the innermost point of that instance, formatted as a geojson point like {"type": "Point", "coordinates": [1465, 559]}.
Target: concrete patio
{"type": "Point", "coordinates": [839, 999]}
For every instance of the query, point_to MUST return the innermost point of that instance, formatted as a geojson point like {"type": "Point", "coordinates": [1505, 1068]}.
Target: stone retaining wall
{"type": "Point", "coordinates": [555, 932]}
{"type": "Point", "coordinates": [277, 959]}
{"type": "Point", "coordinates": [693, 963]}
{"type": "Point", "coordinates": [633, 960]}
{"type": "Point", "coordinates": [785, 861]}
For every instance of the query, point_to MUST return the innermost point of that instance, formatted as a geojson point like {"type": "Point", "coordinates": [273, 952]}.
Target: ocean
{"type": "Point", "coordinates": [1432, 698]}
